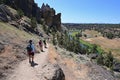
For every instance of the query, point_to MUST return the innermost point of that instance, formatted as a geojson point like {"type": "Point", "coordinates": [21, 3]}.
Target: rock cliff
{"type": "Point", "coordinates": [31, 9]}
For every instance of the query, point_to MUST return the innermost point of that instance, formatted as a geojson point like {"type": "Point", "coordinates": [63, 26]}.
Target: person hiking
{"type": "Point", "coordinates": [31, 51]}
{"type": "Point", "coordinates": [41, 45]}
{"type": "Point", "coordinates": [44, 41]}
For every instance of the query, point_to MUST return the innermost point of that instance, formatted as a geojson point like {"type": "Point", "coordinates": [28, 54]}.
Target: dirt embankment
{"type": "Point", "coordinates": [78, 67]}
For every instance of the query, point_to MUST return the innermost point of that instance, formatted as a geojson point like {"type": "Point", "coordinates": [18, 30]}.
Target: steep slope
{"type": "Point", "coordinates": [79, 67]}
{"type": "Point", "coordinates": [14, 43]}
{"type": "Point", "coordinates": [13, 57]}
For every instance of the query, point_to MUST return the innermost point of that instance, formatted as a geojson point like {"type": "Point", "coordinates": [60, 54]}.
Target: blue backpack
{"type": "Point", "coordinates": [29, 48]}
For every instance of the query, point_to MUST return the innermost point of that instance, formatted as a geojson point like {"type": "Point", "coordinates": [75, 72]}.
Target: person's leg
{"type": "Point", "coordinates": [41, 48]}
{"type": "Point", "coordinates": [29, 56]}
{"type": "Point", "coordinates": [32, 57]}
{"type": "Point", "coordinates": [45, 45]}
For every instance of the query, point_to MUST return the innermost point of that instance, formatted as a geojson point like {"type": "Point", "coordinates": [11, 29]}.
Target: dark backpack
{"type": "Point", "coordinates": [29, 48]}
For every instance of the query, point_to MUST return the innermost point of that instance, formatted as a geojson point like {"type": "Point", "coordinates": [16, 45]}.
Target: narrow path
{"type": "Point", "coordinates": [27, 72]}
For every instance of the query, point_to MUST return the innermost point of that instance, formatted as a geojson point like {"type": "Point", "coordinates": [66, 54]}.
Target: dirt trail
{"type": "Point", "coordinates": [25, 71]}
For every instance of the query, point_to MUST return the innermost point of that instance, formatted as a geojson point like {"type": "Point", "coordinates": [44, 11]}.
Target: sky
{"type": "Point", "coordinates": [85, 11]}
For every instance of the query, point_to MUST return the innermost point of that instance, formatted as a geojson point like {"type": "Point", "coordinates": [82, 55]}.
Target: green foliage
{"type": "Point", "coordinates": [110, 35]}
{"type": "Point", "coordinates": [33, 22]}
{"type": "Point", "coordinates": [94, 48]}
{"type": "Point", "coordinates": [109, 60]}
{"type": "Point", "coordinates": [45, 28]}
{"type": "Point", "coordinates": [20, 12]}
{"type": "Point", "coordinates": [42, 21]}
{"type": "Point", "coordinates": [3, 1]}
{"type": "Point", "coordinates": [100, 59]}
{"type": "Point", "coordinates": [54, 40]}
{"type": "Point", "coordinates": [79, 34]}
{"type": "Point", "coordinates": [119, 35]}
{"type": "Point", "coordinates": [106, 60]}
{"type": "Point", "coordinates": [68, 42]}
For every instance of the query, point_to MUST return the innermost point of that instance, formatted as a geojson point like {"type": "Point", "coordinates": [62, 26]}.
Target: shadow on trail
{"type": "Point", "coordinates": [33, 64]}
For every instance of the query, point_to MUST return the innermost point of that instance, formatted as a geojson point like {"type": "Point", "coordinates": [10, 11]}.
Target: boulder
{"type": "Point", "coordinates": [93, 56]}
{"type": "Point", "coordinates": [116, 67]}
{"type": "Point", "coordinates": [53, 72]}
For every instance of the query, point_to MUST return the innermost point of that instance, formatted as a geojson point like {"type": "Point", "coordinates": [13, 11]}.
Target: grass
{"type": "Point", "coordinates": [86, 43]}
{"type": "Point", "coordinates": [11, 30]}
{"type": "Point", "coordinates": [99, 49]}
{"type": "Point", "coordinates": [73, 33]}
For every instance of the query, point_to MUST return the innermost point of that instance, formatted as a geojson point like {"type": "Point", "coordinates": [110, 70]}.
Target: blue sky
{"type": "Point", "coordinates": [86, 11]}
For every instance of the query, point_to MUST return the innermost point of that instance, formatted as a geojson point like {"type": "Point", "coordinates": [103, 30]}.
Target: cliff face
{"type": "Point", "coordinates": [31, 9]}
{"type": "Point", "coordinates": [50, 16]}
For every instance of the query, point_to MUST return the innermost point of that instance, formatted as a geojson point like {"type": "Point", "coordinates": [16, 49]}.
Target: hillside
{"type": "Point", "coordinates": [79, 67]}
{"type": "Point", "coordinates": [18, 26]}
{"type": "Point", "coordinates": [12, 47]}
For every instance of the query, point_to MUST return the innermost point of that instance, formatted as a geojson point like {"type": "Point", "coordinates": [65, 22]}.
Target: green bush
{"type": "Point", "coordinates": [109, 60]}
{"type": "Point", "coordinates": [54, 40]}
{"type": "Point", "coordinates": [110, 35]}
{"type": "Point", "coordinates": [33, 22]}
{"type": "Point", "coordinates": [3, 1]}
{"type": "Point", "coordinates": [100, 59]}
{"type": "Point", "coordinates": [20, 12]}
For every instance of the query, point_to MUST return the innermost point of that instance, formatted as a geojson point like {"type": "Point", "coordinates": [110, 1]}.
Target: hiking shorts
{"type": "Point", "coordinates": [31, 53]}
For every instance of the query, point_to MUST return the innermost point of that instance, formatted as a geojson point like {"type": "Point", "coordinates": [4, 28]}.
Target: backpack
{"type": "Point", "coordinates": [44, 42]}
{"type": "Point", "coordinates": [29, 48]}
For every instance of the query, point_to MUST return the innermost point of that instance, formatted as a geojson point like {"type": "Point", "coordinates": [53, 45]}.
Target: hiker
{"type": "Point", "coordinates": [44, 41]}
{"type": "Point", "coordinates": [41, 45]}
{"type": "Point", "coordinates": [31, 51]}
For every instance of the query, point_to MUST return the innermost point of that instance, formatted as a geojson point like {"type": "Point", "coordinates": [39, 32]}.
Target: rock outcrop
{"type": "Point", "coordinates": [50, 16]}
{"type": "Point", "coordinates": [116, 67]}
{"type": "Point", "coordinates": [31, 9]}
{"type": "Point", "coordinates": [53, 72]}
{"type": "Point", "coordinates": [7, 13]}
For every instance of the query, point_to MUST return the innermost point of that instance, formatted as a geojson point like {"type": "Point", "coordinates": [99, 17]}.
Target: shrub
{"type": "Point", "coordinates": [100, 59]}
{"type": "Point", "coordinates": [33, 22]}
{"type": "Point", "coordinates": [3, 1]}
{"type": "Point", "coordinates": [20, 13]}
{"type": "Point", "coordinates": [109, 35]}
{"type": "Point", "coordinates": [109, 60]}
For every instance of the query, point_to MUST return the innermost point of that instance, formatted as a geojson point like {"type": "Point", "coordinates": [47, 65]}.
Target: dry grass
{"type": "Point", "coordinates": [10, 30]}
{"type": "Point", "coordinates": [69, 65]}
{"type": "Point", "coordinates": [91, 33]}
{"type": "Point", "coordinates": [112, 45]}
